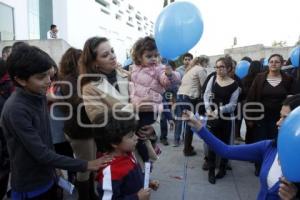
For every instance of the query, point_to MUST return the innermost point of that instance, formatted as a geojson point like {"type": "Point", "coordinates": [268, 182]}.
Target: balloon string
{"type": "Point", "coordinates": [184, 169]}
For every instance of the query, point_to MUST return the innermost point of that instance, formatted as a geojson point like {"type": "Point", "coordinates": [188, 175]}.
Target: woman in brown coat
{"type": "Point", "coordinates": [267, 92]}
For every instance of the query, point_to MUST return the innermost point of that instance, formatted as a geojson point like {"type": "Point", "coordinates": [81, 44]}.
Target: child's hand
{"type": "Point", "coordinates": [168, 71]}
{"type": "Point", "coordinates": [145, 132]}
{"type": "Point", "coordinates": [59, 173]}
{"type": "Point", "coordinates": [144, 194]}
{"type": "Point", "coordinates": [101, 162]}
{"type": "Point", "coordinates": [154, 184]}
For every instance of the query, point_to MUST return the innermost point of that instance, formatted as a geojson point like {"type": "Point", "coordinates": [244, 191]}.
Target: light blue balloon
{"type": "Point", "coordinates": [295, 57]}
{"type": "Point", "coordinates": [289, 146]}
{"type": "Point", "coordinates": [266, 62]}
{"type": "Point", "coordinates": [242, 68]}
{"type": "Point", "coordinates": [178, 28]}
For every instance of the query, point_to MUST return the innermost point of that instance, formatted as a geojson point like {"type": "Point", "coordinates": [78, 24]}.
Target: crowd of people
{"type": "Point", "coordinates": [95, 119]}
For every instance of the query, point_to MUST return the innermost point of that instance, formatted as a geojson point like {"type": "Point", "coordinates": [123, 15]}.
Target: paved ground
{"type": "Point", "coordinates": [238, 184]}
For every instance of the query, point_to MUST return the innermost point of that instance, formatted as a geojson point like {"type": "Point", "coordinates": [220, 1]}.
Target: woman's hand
{"type": "Point", "coordinates": [287, 190]}
{"type": "Point", "coordinates": [172, 125]}
{"type": "Point", "coordinates": [101, 162]}
{"type": "Point", "coordinates": [189, 117]}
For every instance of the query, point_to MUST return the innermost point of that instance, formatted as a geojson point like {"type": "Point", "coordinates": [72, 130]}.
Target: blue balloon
{"type": "Point", "coordinates": [242, 68]}
{"type": "Point", "coordinates": [128, 61]}
{"type": "Point", "coordinates": [289, 146]}
{"type": "Point", "coordinates": [178, 28]}
{"type": "Point", "coordinates": [266, 62]}
{"type": "Point", "coordinates": [295, 57]}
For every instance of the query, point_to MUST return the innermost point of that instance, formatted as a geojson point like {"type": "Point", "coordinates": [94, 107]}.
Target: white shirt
{"type": "Point", "coordinates": [275, 173]}
{"type": "Point", "coordinates": [51, 35]}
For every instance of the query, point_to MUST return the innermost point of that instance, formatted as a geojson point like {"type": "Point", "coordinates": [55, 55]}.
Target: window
{"type": "Point", "coordinates": [130, 7]}
{"type": "Point", "coordinates": [103, 3]}
{"type": "Point", "coordinates": [7, 31]}
{"type": "Point", "coordinates": [116, 2]}
{"type": "Point", "coordinates": [34, 19]}
{"type": "Point", "coordinates": [105, 11]}
{"type": "Point", "coordinates": [118, 17]}
{"type": "Point", "coordinates": [138, 17]}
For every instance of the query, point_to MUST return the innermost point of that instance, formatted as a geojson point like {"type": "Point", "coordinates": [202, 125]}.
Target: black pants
{"type": "Point", "coordinates": [146, 118]}
{"type": "Point", "coordinates": [223, 132]}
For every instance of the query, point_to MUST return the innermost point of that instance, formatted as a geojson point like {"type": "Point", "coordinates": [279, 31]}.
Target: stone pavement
{"type": "Point", "coordinates": [239, 183]}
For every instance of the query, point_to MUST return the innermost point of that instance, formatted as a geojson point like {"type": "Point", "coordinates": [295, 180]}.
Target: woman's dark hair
{"type": "Point", "coordinates": [276, 55]}
{"type": "Point", "coordinates": [254, 69]}
{"type": "Point", "coordinates": [69, 63]}
{"type": "Point", "coordinates": [172, 64]}
{"type": "Point", "coordinates": [228, 61]}
{"type": "Point", "coordinates": [292, 101]}
{"type": "Point", "coordinates": [246, 58]}
{"type": "Point", "coordinates": [119, 125]}
{"type": "Point", "coordinates": [26, 61]}
{"type": "Point", "coordinates": [88, 58]}
{"type": "Point", "coordinates": [140, 46]}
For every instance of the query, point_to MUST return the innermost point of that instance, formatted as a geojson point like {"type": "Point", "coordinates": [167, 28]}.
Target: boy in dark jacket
{"type": "Point", "coordinates": [25, 123]}
{"type": "Point", "coordinates": [123, 178]}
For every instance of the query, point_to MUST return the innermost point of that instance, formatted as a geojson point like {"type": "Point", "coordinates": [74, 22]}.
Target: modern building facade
{"type": "Point", "coordinates": [77, 20]}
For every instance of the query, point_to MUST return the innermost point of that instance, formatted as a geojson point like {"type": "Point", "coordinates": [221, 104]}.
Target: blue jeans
{"type": "Point", "coordinates": [183, 102]}
{"type": "Point", "coordinates": [166, 116]}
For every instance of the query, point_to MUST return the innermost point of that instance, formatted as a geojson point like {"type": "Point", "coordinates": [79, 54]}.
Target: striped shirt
{"type": "Point", "coordinates": [274, 81]}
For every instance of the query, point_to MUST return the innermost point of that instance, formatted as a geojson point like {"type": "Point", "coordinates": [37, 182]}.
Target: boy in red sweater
{"type": "Point", "coordinates": [123, 178]}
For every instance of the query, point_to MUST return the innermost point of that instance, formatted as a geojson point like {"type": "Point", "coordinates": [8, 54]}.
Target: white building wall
{"type": "Point", "coordinates": [78, 20]}
{"type": "Point", "coordinates": [20, 18]}
{"type": "Point", "coordinates": [84, 19]}
{"type": "Point", "coordinates": [60, 17]}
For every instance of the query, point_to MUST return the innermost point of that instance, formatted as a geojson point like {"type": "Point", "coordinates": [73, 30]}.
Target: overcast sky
{"type": "Point", "coordinates": [251, 21]}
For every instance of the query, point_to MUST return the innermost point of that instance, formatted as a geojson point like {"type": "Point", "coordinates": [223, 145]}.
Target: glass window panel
{"type": "Point", "coordinates": [6, 23]}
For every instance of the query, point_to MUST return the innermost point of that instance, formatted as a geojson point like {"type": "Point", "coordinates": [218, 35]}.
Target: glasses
{"type": "Point", "coordinates": [220, 66]}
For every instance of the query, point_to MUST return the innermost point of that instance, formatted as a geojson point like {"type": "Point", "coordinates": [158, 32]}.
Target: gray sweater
{"type": "Point", "coordinates": [25, 123]}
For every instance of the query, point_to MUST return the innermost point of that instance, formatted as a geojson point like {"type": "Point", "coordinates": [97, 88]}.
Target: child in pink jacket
{"type": "Point", "coordinates": [149, 78]}
{"type": "Point", "coordinates": [148, 82]}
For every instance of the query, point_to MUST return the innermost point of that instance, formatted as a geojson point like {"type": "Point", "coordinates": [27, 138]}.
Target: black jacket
{"type": "Point", "coordinates": [26, 127]}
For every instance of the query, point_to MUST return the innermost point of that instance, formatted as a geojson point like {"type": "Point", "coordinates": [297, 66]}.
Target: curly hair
{"type": "Point", "coordinates": [140, 46]}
